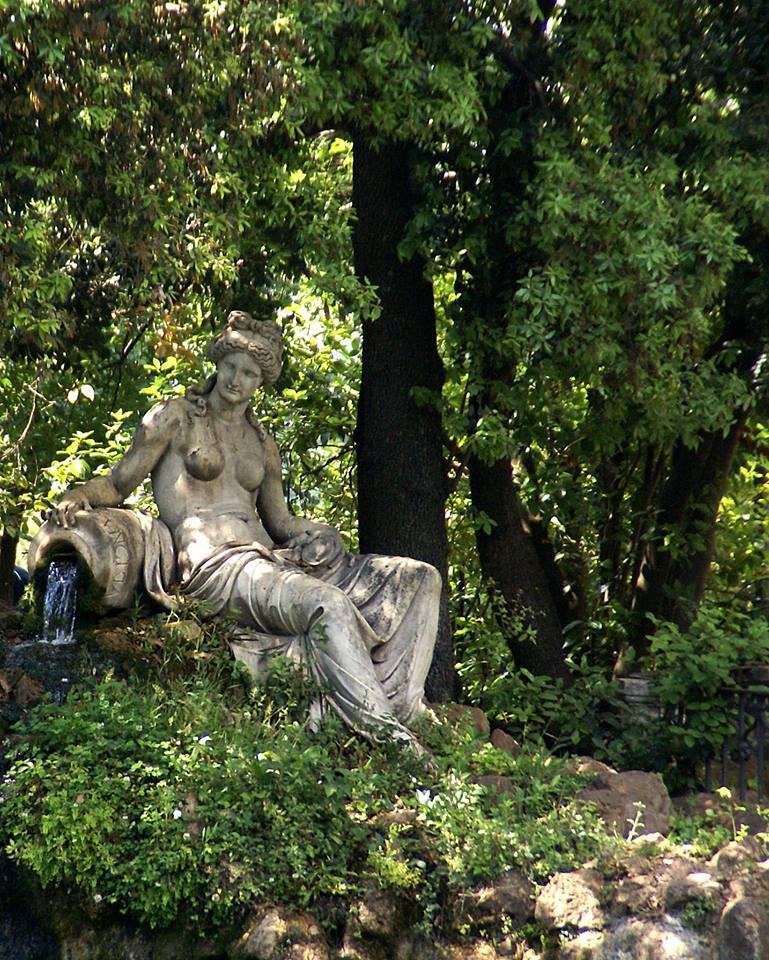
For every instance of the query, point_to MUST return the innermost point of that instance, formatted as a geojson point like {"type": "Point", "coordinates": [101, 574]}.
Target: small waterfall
{"type": "Point", "coordinates": [60, 605]}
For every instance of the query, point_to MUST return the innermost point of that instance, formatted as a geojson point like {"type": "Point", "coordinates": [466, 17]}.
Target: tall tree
{"type": "Point", "coordinates": [595, 244]}
{"type": "Point", "coordinates": [401, 482]}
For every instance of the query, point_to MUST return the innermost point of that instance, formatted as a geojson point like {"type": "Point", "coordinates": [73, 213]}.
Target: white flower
{"type": "Point", "coordinates": [423, 797]}
{"type": "Point", "coordinates": [204, 739]}
{"type": "Point", "coordinates": [177, 814]}
{"type": "Point", "coordinates": [97, 898]}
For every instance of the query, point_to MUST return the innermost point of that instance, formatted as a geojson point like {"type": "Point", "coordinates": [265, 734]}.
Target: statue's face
{"type": "Point", "coordinates": [238, 376]}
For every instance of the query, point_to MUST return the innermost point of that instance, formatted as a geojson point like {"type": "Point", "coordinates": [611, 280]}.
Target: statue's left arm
{"type": "Point", "coordinates": [315, 543]}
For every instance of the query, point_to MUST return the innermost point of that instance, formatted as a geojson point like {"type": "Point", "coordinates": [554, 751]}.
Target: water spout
{"type": "Point", "coordinates": [60, 605]}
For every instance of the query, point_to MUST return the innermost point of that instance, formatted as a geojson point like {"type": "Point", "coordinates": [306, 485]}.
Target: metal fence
{"type": "Point", "coordinates": [746, 749]}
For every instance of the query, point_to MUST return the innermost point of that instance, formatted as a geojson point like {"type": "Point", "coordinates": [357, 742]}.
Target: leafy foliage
{"type": "Point", "coordinates": [694, 688]}
{"type": "Point", "coordinates": [194, 797]}
{"type": "Point", "coordinates": [593, 187]}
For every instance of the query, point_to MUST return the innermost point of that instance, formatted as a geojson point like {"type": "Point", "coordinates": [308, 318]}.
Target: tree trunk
{"type": "Point", "coordinates": [401, 480]}
{"type": "Point", "coordinates": [672, 583]}
{"type": "Point", "coordinates": [511, 565]}
{"type": "Point", "coordinates": [517, 560]}
{"type": "Point", "coordinates": [8, 544]}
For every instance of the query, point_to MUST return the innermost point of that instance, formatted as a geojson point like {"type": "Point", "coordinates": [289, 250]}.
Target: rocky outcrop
{"type": "Point", "coordinates": [631, 803]}
{"type": "Point", "coordinates": [509, 901]}
{"type": "Point", "coordinates": [666, 906]}
{"type": "Point", "coordinates": [743, 932]}
{"type": "Point", "coordinates": [664, 939]}
{"type": "Point", "coordinates": [275, 934]}
{"type": "Point", "coordinates": [379, 926]}
{"type": "Point", "coordinates": [653, 902]}
{"type": "Point", "coordinates": [572, 900]}
{"type": "Point", "coordinates": [461, 714]}
{"type": "Point", "coordinates": [503, 741]}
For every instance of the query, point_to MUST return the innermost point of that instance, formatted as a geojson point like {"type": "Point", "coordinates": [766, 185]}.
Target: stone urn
{"type": "Point", "coordinates": [108, 543]}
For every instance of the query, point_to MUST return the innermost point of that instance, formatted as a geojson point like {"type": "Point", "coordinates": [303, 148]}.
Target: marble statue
{"type": "Point", "coordinates": [364, 626]}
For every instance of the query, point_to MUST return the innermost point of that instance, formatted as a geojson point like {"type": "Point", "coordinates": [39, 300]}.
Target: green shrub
{"type": "Point", "coordinates": [700, 913]}
{"type": "Point", "coordinates": [160, 805]}
{"type": "Point", "coordinates": [694, 670]}
{"type": "Point", "coordinates": [177, 800]}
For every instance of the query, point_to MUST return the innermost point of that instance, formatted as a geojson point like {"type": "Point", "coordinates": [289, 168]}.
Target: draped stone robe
{"type": "Point", "coordinates": [365, 628]}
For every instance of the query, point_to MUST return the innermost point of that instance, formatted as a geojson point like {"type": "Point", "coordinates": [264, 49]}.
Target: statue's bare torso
{"type": "Point", "coordinates": [216, 475]}
{"type": "Point", "coordinates": [208, 479]}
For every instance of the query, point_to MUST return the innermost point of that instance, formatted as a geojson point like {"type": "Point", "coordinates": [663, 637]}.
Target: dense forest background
{"type": "Point", "coordinates": [519, 251]}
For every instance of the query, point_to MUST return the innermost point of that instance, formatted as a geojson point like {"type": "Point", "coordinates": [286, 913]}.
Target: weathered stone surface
{"type": "Point", "coordinates": [20, 687]}
{"type": "Point", "coordinates": [55, 668]}
{"type": "Point", "coordinates": [630, 802]}
{"type": "Point", "coordinates": [109, 542]}
{"type": "Point", "coordinates": [397, 816]}
{"type": "Point", "coordinates": [735, 854]}
{"type": "Point", "coordinates": [686, 887]}
{"type": "Point", "coordinates": [381, 914]}
{"type": "Point", "coordinates": [405, 947]}
{"type": "Point", "coordinates": [187, 629]}
{"type": "Point", "coordinates": [378, 927]}
{"type": "Point", "coordinates": [460, 713]}
{"type": "Point", "coordinates": [503, 741]}
{"type": "Point", "coordinates": [600, 772]}
{"type": "Point", "coordinates": [662, 938]}
{"type": "Point", "coordinates": [748, 880]}
{"type": "Point", "coordinates": [644, 890]}
{"type": "Point", "coordinates": [495, 783]}
{"type": "Point", "coordinates": [572, 900]}
{"type": "Point", "coordinates": [510, 898]}
{"type": "Point", "coordinates": [630, 896]}
{"type": "Point", "coordinates": [743, 932]}
{"type": "Point", "coordinates": [476, 950]}
{"type": "Point", "coordinates": [648, 840]}
{"type": "Point", "coordinates": [586, 945]}
{"type": "Point", "coordinates": [277, 934]}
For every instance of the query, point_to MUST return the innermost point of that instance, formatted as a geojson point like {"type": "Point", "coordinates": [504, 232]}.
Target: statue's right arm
{"type": "Point", "coordinates": [150, 442]}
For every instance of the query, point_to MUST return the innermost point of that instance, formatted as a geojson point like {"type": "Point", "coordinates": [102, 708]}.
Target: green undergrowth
{"type": "Point", "coordinates": [693, 711]}
{"type": "Point", "coordinates": [180, 792]}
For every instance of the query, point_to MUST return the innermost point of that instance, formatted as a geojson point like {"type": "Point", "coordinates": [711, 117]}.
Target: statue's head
{"type": "Point", "coordinates": [260, 339]}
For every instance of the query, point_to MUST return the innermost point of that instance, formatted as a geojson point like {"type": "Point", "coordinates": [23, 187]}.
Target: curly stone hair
{"type": "Point", "coordinates": [261, 339]}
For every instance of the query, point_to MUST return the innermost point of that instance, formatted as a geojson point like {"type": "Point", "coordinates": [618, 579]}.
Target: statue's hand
{"type": "Point", "coordinates": [318, 546]}
{"type": "Point", "coordinates": [73, 502]}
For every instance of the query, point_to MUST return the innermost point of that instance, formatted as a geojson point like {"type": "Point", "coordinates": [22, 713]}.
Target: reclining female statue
{"type": "Point", "coordinates": [364, 625]}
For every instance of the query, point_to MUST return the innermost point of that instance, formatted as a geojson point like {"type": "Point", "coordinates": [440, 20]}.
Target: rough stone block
{"type": "Point", "coordinates": [510, 897]}
{"type": "Point", "coordinates": [572, 900]}
{"type": "Point", "coordinates": [503, 741]}
{"type": "Point", "coordinates": [743, 932]}
{"type": "Point", "coordinates": [632, 801]}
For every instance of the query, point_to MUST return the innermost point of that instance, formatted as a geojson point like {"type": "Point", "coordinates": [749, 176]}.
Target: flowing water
{"type": "Point", "coordinates": [60, 605]}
